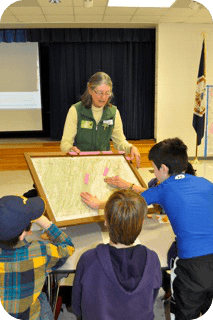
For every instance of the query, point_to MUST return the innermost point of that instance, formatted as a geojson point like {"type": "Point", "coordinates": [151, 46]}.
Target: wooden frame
{"type": "Point", "coordinates": [46, 165]}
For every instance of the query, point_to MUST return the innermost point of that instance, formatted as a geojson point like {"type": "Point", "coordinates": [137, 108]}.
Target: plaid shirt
{"type": "Point", "coordinates": [24, 268]}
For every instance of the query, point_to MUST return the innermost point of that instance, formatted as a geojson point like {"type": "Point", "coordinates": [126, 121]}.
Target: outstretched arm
{"type": "Point", "coordinates": [122, 184]}
{"type": "Point", "coordinates": [92, 201]}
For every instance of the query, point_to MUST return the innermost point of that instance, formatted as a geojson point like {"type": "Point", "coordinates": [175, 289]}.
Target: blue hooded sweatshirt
{"type": "Point", "coordinates": [116, 284]}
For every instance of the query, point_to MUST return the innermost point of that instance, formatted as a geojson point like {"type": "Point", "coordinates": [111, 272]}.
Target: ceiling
{"type": "Point", "coordinates": [72, 13]}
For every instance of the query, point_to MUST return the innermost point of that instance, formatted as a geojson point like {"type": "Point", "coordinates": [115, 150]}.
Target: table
{"type": "Point", "coordinates": [88, 236]}
{"type": "Point", "coordinates": [155, 236]}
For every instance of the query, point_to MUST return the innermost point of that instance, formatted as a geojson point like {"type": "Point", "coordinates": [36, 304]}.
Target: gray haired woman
{"type": "Point", "coordinates": [93, 121]}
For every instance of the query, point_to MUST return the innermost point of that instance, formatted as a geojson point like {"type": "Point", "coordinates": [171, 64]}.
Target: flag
{"type": "Point", "coordinates": [200, 108]}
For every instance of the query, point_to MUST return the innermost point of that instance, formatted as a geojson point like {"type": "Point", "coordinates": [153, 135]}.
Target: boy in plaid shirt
{"type": "Point", "coordinates": [25, 265]}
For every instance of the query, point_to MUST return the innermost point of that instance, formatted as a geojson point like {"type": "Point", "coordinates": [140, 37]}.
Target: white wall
{"type": "Point", "coordinates": [178, 56]}
{"type": "Point", "coordinates": [20, 120]}
{"type": "Point", "coordinates": [20, 101]}
{"type": "Point", "coordinates": [21, 58]}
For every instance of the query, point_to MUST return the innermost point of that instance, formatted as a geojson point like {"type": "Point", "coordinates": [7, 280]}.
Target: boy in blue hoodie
{"type": "Point", "coordinates": [118, 280]}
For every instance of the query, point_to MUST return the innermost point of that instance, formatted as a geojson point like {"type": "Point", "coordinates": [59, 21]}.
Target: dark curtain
{"type": "Point", "coordinates": [13, 35]}
{"type": "Point", "coordinates": [69, 57]}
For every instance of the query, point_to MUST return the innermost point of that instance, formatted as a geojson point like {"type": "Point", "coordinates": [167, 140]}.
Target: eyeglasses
{"type": "Point", "coordinates": [101, 93]}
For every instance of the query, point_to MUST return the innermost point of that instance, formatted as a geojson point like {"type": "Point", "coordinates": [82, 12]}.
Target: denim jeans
{"type": "Point", "coordinates": [46, 311]}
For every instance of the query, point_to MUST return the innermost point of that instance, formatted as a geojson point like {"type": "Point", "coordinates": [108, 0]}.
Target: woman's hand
{"type": "Point", "coordinates": [136, 154]}
{"type": "Point", "coordinates": [118, 182]}
{"type": "Point", "coordinates": [92, 201]}
{"type": "Point", "coordinates": [75, 149]}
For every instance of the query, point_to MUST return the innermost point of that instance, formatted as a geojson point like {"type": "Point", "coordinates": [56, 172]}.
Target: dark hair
{"type": "Point", "coordinates": [96, 80]}
{"type": "Point", "coordinates": [190, 169]}
{"type": "Point", "coordinates": [13, 242]}
{"type": "Point", "coordinates": [124, 212]}
{"type": "Point", "coordinates": [172, 153]}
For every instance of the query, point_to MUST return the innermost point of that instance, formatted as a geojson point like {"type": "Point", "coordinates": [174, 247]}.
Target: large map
{"type": "Point", "coordinates": [64, 178]}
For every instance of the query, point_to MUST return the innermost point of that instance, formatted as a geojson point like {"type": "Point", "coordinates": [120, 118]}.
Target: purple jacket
{"type": "Point", "coordinates": [116, 284]}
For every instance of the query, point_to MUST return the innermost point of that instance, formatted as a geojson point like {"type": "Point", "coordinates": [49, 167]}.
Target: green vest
{"type": "Point", "coordinates": [92, 137]}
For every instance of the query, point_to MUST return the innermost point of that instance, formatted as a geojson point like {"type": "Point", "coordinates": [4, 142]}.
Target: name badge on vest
{"type": "Point", "coordinates": [109, 122]}
{"type": "Point", "coordinates": [86, 124]}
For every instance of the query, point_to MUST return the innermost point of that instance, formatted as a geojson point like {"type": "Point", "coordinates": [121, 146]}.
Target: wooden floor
{"type": "Point", "coordinates": [12, 154]}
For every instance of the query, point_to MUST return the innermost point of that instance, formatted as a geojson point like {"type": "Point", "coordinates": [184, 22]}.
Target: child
{"type": "Point", "coordinates": [118, 280]}
{"type": "Point", "coordinates": [24, 265]}
{"type": "Point", "coordinates": [188, 202]}
{"type": "Point", "coordinates": [172, 252]}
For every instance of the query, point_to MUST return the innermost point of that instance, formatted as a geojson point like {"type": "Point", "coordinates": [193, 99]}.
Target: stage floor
{"type": "Point", "coordinates": [12, 151]}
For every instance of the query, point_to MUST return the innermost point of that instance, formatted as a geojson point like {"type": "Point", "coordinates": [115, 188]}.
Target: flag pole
{"type": "Point", "coordinates": [196, 149]}
{"type": "Point", "coordinates": [196, 152]}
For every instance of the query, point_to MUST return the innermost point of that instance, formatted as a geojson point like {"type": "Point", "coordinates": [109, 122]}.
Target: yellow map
{"type": "Point", "coordinates": [63, 179]}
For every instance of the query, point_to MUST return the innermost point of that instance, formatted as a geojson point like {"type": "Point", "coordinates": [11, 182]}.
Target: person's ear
{"type": "Point", "coordinates": [90, 90]}
{"type": "Point", "coordinates": [165, 169]}
{"type": "Point", "coordinates": [105, 223]}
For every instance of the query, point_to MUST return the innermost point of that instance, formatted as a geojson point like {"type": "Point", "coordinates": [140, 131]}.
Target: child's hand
{"type": "Point", "coordinates": [117, 182]}
{"type": "Point", "coordinates": [92, 201]}
{"type": "Point", "coordinates": [43, 222]}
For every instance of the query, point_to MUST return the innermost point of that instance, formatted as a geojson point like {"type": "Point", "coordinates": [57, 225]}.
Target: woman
{"type": "Point", "coordinates": [92, 122]}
